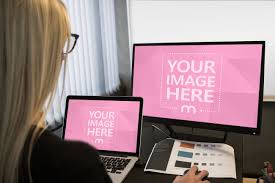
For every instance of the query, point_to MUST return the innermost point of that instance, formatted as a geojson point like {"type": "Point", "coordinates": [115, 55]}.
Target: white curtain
{"type": "Point", "coordinates": [92, 67]}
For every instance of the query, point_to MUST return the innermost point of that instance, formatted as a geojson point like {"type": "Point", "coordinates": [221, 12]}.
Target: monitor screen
{"type": "Point", "coordinates": [107, 125]}
{"type": "Point", "coordinates": [205, 83]}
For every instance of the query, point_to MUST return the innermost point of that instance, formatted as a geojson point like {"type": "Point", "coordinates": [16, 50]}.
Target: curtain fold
{"type": "Point", "coordinates": [92, 67]}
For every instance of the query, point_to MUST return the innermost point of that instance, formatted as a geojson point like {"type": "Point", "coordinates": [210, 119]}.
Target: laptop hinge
{"type": "Point", "coordinates": [113, 154]}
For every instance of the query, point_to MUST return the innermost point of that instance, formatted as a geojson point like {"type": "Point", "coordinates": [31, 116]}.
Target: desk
{"type": "Point", "coordinates": [150, 137]}
{"type": "Point", "coordinates": [262, 147]}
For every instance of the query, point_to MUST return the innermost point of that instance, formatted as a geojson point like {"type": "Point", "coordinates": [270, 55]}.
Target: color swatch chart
{"type": "Point", "coordinates": [177, 156]}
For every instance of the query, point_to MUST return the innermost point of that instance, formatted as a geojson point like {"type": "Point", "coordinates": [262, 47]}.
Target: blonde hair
{"type": "Point", "coordinates": [32, 36]}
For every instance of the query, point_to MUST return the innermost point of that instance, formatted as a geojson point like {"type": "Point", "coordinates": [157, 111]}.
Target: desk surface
{"type": "Point", "coordinates": [262, 147]}
{"type": "Point", "coordinates": [150, 137]}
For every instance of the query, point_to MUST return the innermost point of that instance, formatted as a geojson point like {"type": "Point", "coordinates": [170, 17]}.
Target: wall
{"type": "Point", "coordinates": [187, 21]}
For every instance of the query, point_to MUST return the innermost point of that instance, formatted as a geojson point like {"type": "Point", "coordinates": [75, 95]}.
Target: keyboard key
{"type": "Point", "coordinates": [113, 164]}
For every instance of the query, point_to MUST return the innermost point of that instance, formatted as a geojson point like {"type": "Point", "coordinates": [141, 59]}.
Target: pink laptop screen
{"type": "Point", "coordinates": [105, 124]}
{"type": "Point", "coordinates": [216, 84]}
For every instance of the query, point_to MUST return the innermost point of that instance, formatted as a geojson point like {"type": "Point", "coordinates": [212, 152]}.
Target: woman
{"type": "Point", "coordinates": [32, 37]}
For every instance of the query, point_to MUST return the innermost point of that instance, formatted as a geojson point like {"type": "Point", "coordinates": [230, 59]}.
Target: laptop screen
{"type": "Point", "coordinates": [109, 125]}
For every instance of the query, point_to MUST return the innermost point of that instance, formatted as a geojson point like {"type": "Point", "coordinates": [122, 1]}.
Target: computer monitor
{"type": "Point", "coordinates": [213, 85]}
{"type": "Point", "coordinates": [110, 124]}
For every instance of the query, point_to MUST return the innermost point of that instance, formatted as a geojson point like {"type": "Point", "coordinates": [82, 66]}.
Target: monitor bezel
{"type": "Point", "coordinates": [111, 98]}
{"type": "Point", "coordinates": [200, 124]}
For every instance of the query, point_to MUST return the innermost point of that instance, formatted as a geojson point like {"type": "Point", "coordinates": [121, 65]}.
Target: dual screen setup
{"type": "Point", "coordinates": [211, 85]}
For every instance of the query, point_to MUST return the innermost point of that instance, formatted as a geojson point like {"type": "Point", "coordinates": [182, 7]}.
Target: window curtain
{"type": "Point", "coordinates": [92, 67]}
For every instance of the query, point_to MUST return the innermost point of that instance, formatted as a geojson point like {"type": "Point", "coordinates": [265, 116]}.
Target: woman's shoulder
{"type": "Point", "coordinates": [65, 161]}
{"type": "Point", "coordinates": [50, 145]}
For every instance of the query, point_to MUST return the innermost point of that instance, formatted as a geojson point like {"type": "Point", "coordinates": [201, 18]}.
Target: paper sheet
{"type": "Point", "coordinates": [175, 156]}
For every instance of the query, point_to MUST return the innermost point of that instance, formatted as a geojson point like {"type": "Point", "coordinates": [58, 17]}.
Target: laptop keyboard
{"type": "Point", "coordinates": [114, 165]}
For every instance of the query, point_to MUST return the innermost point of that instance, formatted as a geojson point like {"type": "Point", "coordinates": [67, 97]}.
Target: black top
{"type": "Point", "coordinates": [55, 160]}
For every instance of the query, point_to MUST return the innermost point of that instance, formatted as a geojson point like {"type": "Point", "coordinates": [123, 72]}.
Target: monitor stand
{"type": "Point", "coordinates": [194, 137]}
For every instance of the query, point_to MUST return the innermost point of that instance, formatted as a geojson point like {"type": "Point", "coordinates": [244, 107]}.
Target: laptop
{"type": "Point", "coordinates": [110, 124]}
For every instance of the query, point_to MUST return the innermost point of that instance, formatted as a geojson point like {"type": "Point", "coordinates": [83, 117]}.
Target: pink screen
{"type": "Point", "coordinates": [206, 83]}
{"type": "Point", "coordinates": [106, 125]}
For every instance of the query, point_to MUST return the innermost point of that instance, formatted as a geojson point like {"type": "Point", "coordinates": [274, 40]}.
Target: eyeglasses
{"type": "Point", "coordinates": [70, 44]}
